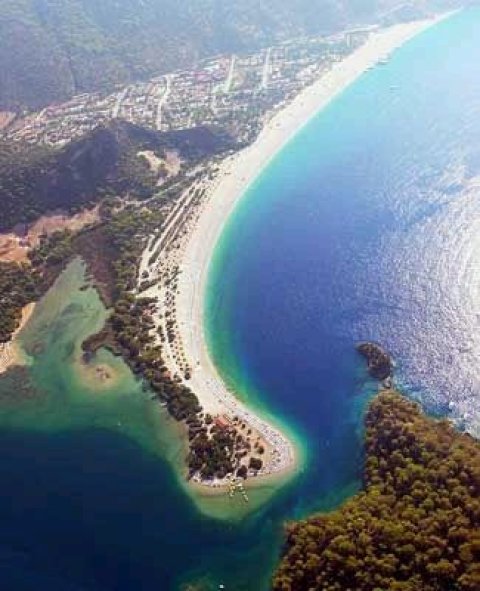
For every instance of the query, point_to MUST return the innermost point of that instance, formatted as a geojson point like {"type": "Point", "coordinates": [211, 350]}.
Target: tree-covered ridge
{"type": "Point", "coordinates": [36, 180]}
{"type": "Point", "coordinates": [52, 49]}
{"type": "Point", "coordinates": [416, 526]}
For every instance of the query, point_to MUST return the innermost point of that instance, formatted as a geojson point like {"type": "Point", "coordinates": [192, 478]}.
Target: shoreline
{"type": "Point", "coordinates": [232, 180]}
{"type": "Point", "coordinates": [9, 352]}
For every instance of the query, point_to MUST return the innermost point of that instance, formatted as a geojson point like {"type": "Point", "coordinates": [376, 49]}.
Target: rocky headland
{"type": "Point", "coordinates": [379, 362]}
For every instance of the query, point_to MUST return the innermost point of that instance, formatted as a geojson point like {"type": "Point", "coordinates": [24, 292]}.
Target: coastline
{"type": "Point", "coordinates": [233, 178]}
{"type": "Point", "coordinates": [9, 352]}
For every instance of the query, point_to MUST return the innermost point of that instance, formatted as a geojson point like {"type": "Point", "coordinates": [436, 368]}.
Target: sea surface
{"type": "Point", "coordinates": [366, 226]}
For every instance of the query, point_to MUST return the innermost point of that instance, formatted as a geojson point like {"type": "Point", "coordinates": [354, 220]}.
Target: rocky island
{"type": "Point", "coordinates": [379, 362]}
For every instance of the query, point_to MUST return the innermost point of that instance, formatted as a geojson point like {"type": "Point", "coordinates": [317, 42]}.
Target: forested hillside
{"type": "Point", "coordinates": [35, 180]}
{"type": "Point", "coordinates": [416, 527]}
{"type": "Point", "coordinates": [52, 49]}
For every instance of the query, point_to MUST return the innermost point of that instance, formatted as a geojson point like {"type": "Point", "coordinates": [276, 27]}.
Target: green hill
{"type": "Point", "coordinates": [35, 180]}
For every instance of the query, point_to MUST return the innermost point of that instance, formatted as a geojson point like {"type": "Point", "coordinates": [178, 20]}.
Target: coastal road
{"type": "Point", "coordinates": [118, 103]}
{"type": "Point", "coordinates": [266, 69]}
{"type": "Point", "coordinates": [162, 102]}
{"type": "Point", "coordinates": [231, 71]}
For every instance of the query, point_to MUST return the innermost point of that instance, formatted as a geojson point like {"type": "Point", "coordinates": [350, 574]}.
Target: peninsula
{"type": "Point", "coordinates": [178, 268]}
{"type": "Point", "coordinates": [415, 523]}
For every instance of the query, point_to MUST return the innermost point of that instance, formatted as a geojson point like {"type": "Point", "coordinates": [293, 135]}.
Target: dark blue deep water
{"type": "Point", "coordinates": [366, 226]}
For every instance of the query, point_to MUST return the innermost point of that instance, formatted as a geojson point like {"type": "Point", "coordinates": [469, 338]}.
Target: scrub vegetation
{"type": "Point", "coordinates": [104, 163]}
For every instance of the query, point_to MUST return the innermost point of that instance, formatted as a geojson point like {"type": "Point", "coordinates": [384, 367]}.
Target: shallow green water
{"type": "Point", "coordinates": [75, 437]}
{"type": "Point", "coordinates": [61, 397]}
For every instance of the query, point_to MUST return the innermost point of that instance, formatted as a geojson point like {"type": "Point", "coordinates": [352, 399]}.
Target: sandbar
{"type": "Point", "coordinates": [222, 193]}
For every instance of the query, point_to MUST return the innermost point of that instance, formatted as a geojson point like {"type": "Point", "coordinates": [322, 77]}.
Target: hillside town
{"type": "Point", "coordinates": [235, 92]}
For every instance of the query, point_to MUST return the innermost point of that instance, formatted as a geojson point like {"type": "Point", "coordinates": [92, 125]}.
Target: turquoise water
{"type": "Point", "coordinates": [363, 227]}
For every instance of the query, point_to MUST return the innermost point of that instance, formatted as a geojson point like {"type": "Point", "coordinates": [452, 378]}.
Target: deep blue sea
{"type": "Point", "coordinates": [366, 226]}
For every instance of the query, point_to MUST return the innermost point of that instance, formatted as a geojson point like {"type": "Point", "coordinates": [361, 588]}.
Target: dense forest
{"type": "Point", "coordinates": [36, 180]}
{"type": "Point", "coordinates": [52, 49]}
{"type": "Point", "coordinates": [416, 525]}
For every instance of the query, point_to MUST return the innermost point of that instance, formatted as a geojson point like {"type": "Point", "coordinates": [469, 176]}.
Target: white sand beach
{"type": "Point", "coordinates": [222, 194]}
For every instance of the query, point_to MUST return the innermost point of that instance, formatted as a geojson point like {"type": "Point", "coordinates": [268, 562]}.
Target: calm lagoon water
{"type": "Point", "coordinates": [366, 226]}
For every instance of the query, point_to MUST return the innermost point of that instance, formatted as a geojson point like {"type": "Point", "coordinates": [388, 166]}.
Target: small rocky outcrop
{"type": "Point", "coordinates": [379, 362]}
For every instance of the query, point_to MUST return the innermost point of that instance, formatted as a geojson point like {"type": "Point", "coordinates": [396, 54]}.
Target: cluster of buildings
{"type": "Point", "coordinates": [232, 91]}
